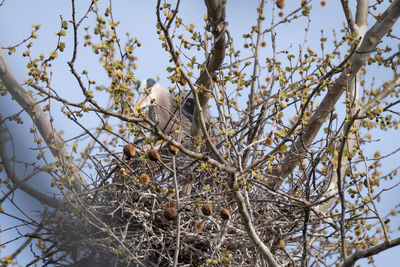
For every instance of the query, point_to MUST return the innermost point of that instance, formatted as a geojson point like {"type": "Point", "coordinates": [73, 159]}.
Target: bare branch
{"type": "Point", "coordinates": [356, 61]}
{"type": "Point", "coordinates": [347, 13]}
{"type": "Point", "coordinates": [387, 89]}
{"type": "Point", "coordinates": [178, 217]}
{"type": "Point", "coordinates": [349, 261]}
{"type": "Point", "coordinates": [45, 199]}
{"type": "Point", "coordinates": [198, 124]}
{"type": "Point", "coordinates": [29, 239]}
{"type": "Point", "coordinates": [50, 136]}
{"type": "Point", "coordinates": [248, 224]}
{"type": "Point", "coordinates": [216, 16]}
{"type": "Point", "coordinates": [256, 69]}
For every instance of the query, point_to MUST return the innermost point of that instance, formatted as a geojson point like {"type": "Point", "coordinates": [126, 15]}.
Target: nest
{"type": "Point", "coordinates": [130, 216]}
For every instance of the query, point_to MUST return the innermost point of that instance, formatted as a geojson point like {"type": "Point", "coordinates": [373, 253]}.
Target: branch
{"type": "Point", "coordinates": [349, 16]}
{"type": "Point", "coordinates": [332, 189]}
{"type": "Point", "coordinates": [39, 118]}
{"type": "Point", "coordinates": [248, 224]}
{"type": "Point", "coordinates": [137, 120]}
{"type": "Point", "coordinates": [199, 124]}
{"type": "Point", "coordinates": [216, 19]}
{"type": "Point", "coordinates": [356, 61]}
{"type": "Point", "coordinates": [353, 107]}
{"type": "Point", "coordinates": [349, 261]}
{"type": "Point", "coordinates": [341, 179]}
{"type": "Point", "coordinates": [178, 216]}
{"type": "Point", "coordinates": [45, 199]}
{"type": "Point", "coordinates": [388, 88]}
{"type": "Point", "coordinates": [361, 15]}
{"type": "Point", "coordinates": [30, 238]}
{"type": "Point", "coordinates": [256, 71]}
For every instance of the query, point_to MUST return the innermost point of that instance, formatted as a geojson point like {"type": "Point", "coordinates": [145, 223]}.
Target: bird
{"type": "Point", "coordinates": [169, 119]}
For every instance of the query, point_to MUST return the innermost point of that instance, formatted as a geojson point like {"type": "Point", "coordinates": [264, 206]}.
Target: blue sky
{"type": "Point", "coordinates": [138, 18]}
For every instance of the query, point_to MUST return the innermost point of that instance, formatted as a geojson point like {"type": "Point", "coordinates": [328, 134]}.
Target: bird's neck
{"type": "Point", "coordinates": [163, 100]}
{"type": "Point", "coordinates": [162, 110]}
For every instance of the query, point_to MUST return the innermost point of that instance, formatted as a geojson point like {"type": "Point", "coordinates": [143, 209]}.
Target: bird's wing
{"type": "Point", "coordinates": [188, 108]}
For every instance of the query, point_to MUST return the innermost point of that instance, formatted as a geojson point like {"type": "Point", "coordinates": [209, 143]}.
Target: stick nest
{"type": "Point", "coordinates": [129, 217]}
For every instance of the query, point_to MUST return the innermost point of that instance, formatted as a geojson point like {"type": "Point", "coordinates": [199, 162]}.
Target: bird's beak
{"type": "Point", "coordinates": [144, 100]}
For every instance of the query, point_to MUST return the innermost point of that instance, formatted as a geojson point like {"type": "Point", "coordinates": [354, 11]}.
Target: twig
{"type": "Point", "coordinates": [178, 217]}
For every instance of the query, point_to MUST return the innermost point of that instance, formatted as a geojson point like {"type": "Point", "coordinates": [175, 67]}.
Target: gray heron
{"type": "Point", "coordinates": [168, 117]}
{"type": "Point", "coordinates": [161, 110]}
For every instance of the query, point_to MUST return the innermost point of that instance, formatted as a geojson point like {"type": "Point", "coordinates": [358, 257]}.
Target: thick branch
{"type": "Point", "coordinates": [53, 141]}
{"type": "Point", "coordinates": [331, 190]}
{"type": "Point", "coordinates": [45, 199]}
{"type": "Point", "coordinates": [216, 17]}
{"type": "Point", "coordinates": [354, 107]}
{"type": "Point", "coordinates": [349, 261]}
{"type": "Point", "coordinates": [356, 61]}
{"type": "Point", "coordinates": [362, 13]}
{"type": "Point", "coordinates": [248, 224]}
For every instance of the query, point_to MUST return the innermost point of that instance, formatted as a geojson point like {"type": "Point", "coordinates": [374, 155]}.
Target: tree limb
{"type": "Point", "coordinates": [248, 224]}
{"type": "Point", "coordinates": [349, 261]}
{"type": "Point", "coordinates": [217, 23]}
{"type": "Point", "coordinates": [256, 70]}
{"type": "Point", "coordinates": [45, 199]}
{"type": "Point", "coordinates": [347, 13]}
{"type": "Point", "coordinates": [356, 61]}
{"type": "Point", "coordinates": [39, 118]}
{"type": "Point", "coordinates": [354, 110]}
{"type": "Point", "coordinates": [331, 190]}
{"type": "Point", "coordinates": [388, 88]}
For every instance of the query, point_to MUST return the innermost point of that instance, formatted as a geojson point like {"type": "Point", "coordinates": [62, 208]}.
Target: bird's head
{"type": "Point", "coordinates": [149, 93]}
